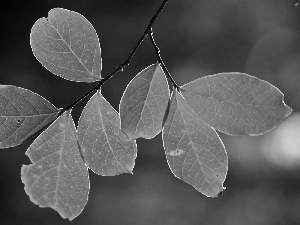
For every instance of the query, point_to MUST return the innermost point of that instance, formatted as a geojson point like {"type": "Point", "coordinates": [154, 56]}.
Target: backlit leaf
{"type": "Point", "coordinates": [105, 148]}
{"type": "Point", "coordinates": [57, 177]}
{"type": "Point", "coordinates": [144, 103]}
{"type": "Point", "coordinates": [67, 45]}
{"type": "Point", "coordinates": [22, 113]}
{"type": "Point", "coordinates": [194, 151]}
{"type": "Point", "coordinates": [236, 103]}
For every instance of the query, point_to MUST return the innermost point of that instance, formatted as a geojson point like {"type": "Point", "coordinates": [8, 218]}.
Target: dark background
{"type": "Point", "coordinates": [196, 38]}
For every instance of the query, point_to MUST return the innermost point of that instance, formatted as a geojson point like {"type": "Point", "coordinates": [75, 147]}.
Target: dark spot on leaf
{"type": "Point", "coordinates": [176, 152]}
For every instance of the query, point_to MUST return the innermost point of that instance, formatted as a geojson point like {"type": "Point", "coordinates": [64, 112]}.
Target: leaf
{"type": "Point", "coordinates": [236, 103]}
{"type": "Point", "coordinates": [194, 151]}
{"type": "Point", "coordinates": [22, 113]}
{"type": "Point", "coordinates": [144, 103]}
{"type": "Point", "coordinates": [57, 177]}
{"type": "Point", "coordinates": [67, 45]}
{"type": "Point", "coordinates": [105, 148]}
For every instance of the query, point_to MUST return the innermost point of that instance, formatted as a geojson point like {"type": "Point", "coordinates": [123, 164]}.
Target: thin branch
{"type": "Point", "coordinates": [150, 34]}
{"type": "Point", "coordinates": [125, 63]}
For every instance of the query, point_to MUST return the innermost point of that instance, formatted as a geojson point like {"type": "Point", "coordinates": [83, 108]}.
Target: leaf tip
{"type": "Point", "coordinates": [220, 192]}
{"type": "Point", "coordinates": [288, 110]}
{"type": "Point", "coordinates": [130, 167]}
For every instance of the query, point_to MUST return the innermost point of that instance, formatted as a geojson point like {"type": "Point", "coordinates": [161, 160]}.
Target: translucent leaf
{"type": "Point", "coordinates": [67, 45]}
{"type": "Point", "coordinates": [144, 103]}
{"type": "Point", "coordinates": [22, 113]}
{"type": "Point", "coordinates": [236, 103]}
{"type": "Point", "coordinates": [57, 177]}
{"type": "Point", "coordinates": [194, 151]}
{"type": "Point", "coordinates": [105, 148]}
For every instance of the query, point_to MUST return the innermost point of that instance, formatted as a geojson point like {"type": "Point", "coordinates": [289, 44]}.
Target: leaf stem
{"type": "Point", "coordinates": [150, 34]}
{"type": "Point", "coordinates": [126, 62]}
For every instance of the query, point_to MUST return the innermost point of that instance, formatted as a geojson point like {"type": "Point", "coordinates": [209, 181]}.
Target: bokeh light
{"type": "Point", "coordinates": [282, 146]}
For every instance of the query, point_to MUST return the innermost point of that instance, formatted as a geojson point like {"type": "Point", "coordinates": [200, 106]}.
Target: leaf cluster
{"type": "Point", "coordinates": [104, 141]}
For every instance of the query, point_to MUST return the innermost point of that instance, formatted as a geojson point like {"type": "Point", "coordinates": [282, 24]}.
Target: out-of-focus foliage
{"type": "Point", "coordinates": [259, 37]}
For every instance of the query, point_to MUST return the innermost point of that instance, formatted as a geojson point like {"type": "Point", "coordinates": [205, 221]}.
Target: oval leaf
{"type": "Point", "coordinates": [67, 45]}
{"type": "Point", "coordinates": [105, 148]}
{"type": "Point", "coordinates": [57, 177]}
{"type": "Point", "coordinates": [236, 103]}
{"type": "Point", "coordinates": [144, 103]}
{"type": "Point", "coordinates": [22, 113]}
{"type": "Point", "coordinates": [194, 151]}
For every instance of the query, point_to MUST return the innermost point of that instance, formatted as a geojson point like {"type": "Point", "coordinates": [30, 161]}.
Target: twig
{"type": "Point", "coordinates": [150, 34]}
{"type": "Point", "coordinates": [125, 63]}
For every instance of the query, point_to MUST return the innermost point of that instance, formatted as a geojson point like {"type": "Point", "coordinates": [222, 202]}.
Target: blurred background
{"type": "Point", "coordinates": [196, 38]}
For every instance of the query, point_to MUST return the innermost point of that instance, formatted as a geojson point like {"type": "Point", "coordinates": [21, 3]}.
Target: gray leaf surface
{"type": "Point", "coordinates": [106, 149]}
{"type": "Point", "coordinates": [194, 151]}
{"type": "Point", "coordinates": [67, 45]}
{"type": "Point", "coordinates": [22, 113]}
{"type": "Point", "coordinates": [57, 177]}
{"type": "Point", "coordinates": [236, 103]}
{"type": "Point", "coordinates": [144, 103]}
